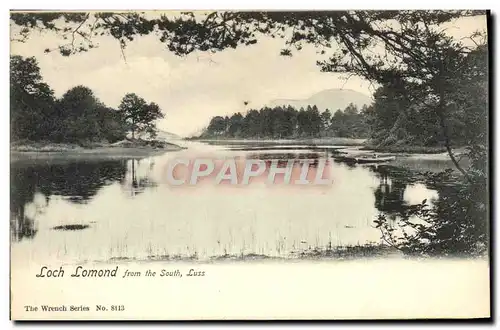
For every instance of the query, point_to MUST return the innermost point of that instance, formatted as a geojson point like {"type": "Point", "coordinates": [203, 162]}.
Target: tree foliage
{"type": "Point", "coordinates": [186, 32]}
{"type": "Point", "coordinates": [287, 122]}
{"type": "Point", "coordinates": [77, 117]}
{"type": "Point", "coordinates": [458, 223]}
{"type": "Point", "coordinates": [31, 100]}
{"type": "Point", "coordinates": [139, 115]}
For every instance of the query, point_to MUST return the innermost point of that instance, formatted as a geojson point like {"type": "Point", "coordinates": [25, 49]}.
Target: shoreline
{"type": "Point", "coordinates": [406, 149]}
{"type": "Point", "coordinates": [366, 252]}
{"type": "Point", "coordinates": [350, 142]}
{"type": "Point", "coordinates": [301, 141]}
{"type": "Point", "coordinates": [41, 150]}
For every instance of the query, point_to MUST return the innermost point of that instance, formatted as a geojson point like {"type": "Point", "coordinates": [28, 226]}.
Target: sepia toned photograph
{"type": "Point", "coordinates": [250, 165]}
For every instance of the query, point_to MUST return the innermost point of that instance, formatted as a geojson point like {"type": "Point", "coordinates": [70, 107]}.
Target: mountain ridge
{"type": "Point", "coordinates": [331, 99]}
{"type": "Point", "coordinates": [162, 135]}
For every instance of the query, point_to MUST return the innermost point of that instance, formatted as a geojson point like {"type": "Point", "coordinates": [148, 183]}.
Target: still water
{"type": "Point", "coordinates": [102, 209]}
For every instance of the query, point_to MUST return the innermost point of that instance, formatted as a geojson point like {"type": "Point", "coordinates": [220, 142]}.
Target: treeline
{"type": "Point", "coordinates": [77, 117]}
{"type": "Point", "coordinates": [287, 122]}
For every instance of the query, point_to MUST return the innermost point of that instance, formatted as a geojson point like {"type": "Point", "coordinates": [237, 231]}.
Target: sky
{"type": "Point", "coordinates": [192, 89]}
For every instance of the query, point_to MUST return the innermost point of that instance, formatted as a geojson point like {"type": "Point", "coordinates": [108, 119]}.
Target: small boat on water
{"type": "Point", "coordinates": [371, 158]}
{"type": "Point", "coordinates": [374, 159]}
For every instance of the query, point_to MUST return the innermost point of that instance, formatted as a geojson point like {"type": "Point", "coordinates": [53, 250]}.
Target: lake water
{"type": "Point", "coordinates": [100, 209]}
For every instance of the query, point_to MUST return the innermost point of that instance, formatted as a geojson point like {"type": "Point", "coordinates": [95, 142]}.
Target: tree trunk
{"type": "Point", "coordinates": [446, 137]}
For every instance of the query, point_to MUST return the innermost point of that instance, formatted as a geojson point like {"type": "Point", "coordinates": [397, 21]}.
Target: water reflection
{"type": "Point", "coordinates": [389, 195]}
{"type": "Point", "coordinates": [138, 176]}
{"type": "Point", "coordinates": [400, 188]}
{"type": "Point", "coordinates": [111, 208]}
{"type": "Point", "coordinates": [76, 182]}
{"type": "Point", "coordinates": [283, 157]}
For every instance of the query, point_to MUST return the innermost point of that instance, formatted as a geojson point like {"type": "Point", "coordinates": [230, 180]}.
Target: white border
{"type": "Point", "coordinates": [186, 4]}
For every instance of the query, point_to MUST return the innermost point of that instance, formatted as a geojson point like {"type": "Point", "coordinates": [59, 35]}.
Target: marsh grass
{"type": "Point", "coordinates": [71, 227]}
{"type": "Point", "coordinates": [349, 252]}
{"type": "Point", "coordinates": [312, 253]}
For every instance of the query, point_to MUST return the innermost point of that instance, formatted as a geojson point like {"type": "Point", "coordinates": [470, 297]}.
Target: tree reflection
{"type": "Point", "coordinates": [22, 190]}
{"type": "Point", "coordinates": [389, 195]}
{"type": "Point", "coordinates": [394, 182]}
{"type": "Point", "coordinates": [138, 177]}
{"type": "Point", "coordinates": [454, 224]}
{"type": "Point", "coordinates": [77, 181]}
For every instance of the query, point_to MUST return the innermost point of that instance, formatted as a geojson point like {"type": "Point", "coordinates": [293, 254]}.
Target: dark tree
{"type": "Point", "coordinates": [31, 100]}
{"type": "Point", "coordinates": [326, 118]}
{"type": "Point", "coordinates": [235, 125]}
{"type": "Point", "coordinates": [139, 115]}
{"type": "Point", "coordinates": [77, 115]}
{"type": "Point", "coordinates": [217, 125]}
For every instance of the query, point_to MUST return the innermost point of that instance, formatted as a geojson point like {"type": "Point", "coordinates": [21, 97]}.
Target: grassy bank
{"type": "Point", "coordinates": [348, 252]}
{"type": "Point", "coordinates": [125, 148]}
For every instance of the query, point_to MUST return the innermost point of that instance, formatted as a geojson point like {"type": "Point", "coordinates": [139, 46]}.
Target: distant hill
{"type": "Point", "coordinates": [331, 99]}
{"type": "Point", "coordinates": [161, 136]}
{"type": "Point", "coordinates": [164, 135]}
